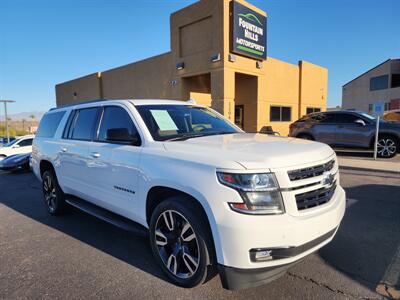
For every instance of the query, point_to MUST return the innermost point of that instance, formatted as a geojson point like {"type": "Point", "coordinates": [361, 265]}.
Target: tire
{"type": "Point", "coordinates": [305, 136]}
{"type": "Point", "coordinates": [181, 242]}
{"type": "Point", "coordinates": [54, 197]}
{"type": "Point", "coordinates": [388, 146]}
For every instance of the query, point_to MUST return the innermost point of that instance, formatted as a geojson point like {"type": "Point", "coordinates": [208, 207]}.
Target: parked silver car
{"type": "Point", "coordinates": [352, 129]}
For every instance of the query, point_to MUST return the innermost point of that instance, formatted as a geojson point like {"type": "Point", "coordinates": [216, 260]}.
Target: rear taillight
{"type": "Point", "coordinates": [291, 126]}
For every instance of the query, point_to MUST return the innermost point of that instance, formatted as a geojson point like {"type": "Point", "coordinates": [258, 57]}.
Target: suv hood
{"type": "Point", "coordinates": [252, 151]}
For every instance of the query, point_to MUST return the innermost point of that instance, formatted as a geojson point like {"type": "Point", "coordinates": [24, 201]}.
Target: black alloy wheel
{"type": "Point", "coordinates": [177, 244]}
{"type": "Point", "coordinates": [386, 147]}
{"type": "Point", "coordinates": [53, 195]}
{"type": "Point", "coordinates": [181, 242]}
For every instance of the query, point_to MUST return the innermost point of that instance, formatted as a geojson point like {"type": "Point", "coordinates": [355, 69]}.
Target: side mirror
{"type": "Point", "coordinates": [121, 135]}
{"type": "Point", "coordinates": [16, 146]}
{"type": "Point", "coordinates": [359, 122]}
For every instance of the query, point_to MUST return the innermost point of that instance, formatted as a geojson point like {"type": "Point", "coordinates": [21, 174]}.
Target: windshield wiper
{"type": "Point", "coordinates": [184, 137]}
{"type": "Point", "coordinates": [187, 136]}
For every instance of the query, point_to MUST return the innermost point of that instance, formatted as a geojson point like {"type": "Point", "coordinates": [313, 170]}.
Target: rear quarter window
{"type": "Point", "coordinates": [304, 119]}
{"type": "Point", "coordinates": [49, 124]}
{"type": "Point", "coordinates": [323, 118]}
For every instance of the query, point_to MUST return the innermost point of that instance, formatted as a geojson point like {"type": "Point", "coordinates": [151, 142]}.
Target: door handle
{"type": "Point", "coordinates": [63, 149]}
{"type": "Point", "coordinates": [95, 155]}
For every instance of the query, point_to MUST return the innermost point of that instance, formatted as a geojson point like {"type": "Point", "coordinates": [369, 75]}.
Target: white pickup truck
{"type": "Point", "coordinates": [210, 197]}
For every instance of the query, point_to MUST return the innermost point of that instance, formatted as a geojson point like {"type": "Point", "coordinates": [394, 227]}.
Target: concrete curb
{"type": "Point", "coordinates": [388, 291]}
{"type": "Point", "coordinates": [369, 170]}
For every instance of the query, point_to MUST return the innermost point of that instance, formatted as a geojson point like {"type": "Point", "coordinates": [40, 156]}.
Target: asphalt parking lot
{"type": "Point", "coordinates": [76, 256]}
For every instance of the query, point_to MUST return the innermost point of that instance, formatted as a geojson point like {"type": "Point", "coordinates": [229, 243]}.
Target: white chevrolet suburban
{"type": "Point", "coordinates": [210, 197]}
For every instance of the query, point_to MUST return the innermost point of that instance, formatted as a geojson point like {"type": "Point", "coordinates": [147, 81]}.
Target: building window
{"type": "Point", "coordinates": [379, 83]}
{"type": "Point", "coordinates": [387, 105]}
{"type": "Point", "coordinates": [395, 80]}
{"type": "Point", "coordinates": [280, 114]}
{"type": "Point", "coordinates": [370, 107]}
{"type": "Point", "coordinates": [311, 110]}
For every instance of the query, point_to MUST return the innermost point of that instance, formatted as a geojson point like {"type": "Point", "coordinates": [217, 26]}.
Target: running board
{"type": "Point", "coordinates": [106, 215]}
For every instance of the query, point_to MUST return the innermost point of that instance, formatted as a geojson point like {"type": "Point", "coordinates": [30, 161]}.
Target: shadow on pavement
{"type": "Point", "coordinates": [362, 249]}
{"type": "Point", "coordinates": [369, 235]}
{"type": "Point", "coordinates": [112, 240]}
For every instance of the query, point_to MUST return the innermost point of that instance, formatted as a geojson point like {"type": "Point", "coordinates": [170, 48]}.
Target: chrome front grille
{"type": "Point", "coordinates": [310, 172]}
{"type": "Point", "coordinates": [315, 197]}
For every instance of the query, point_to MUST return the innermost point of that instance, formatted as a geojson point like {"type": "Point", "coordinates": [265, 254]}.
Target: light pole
{"type": "Point", "coordinates": [6, 117]}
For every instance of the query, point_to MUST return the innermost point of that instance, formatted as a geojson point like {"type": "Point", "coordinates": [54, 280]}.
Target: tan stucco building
{"type": "Point", "coordinates": [379, 84]}
{"type": "Point", "coordinates": [205, 65]}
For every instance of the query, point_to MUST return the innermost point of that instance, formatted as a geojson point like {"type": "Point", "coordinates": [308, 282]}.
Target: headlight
{"type": "Point", "coordinates": [260, 192]}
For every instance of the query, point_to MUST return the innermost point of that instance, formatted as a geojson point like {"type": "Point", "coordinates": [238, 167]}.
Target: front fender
{"type": "Point", "coordinates": [190, 178]}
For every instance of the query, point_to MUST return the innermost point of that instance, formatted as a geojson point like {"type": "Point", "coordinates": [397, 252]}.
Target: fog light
{"type": "Point", "coordinates": [257, 255]}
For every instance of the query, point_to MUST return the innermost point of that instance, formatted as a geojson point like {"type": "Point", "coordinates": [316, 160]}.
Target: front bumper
{"type": "Point", "coordinates": [237, 279]}
{"type": "Point", "coordinates": [13, 167]}
{"type": "Point", "coordinates": [240, 233]}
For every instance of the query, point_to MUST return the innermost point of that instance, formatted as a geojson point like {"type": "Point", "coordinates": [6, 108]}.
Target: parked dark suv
{"type": "Point", "coordinates": [351, 129]}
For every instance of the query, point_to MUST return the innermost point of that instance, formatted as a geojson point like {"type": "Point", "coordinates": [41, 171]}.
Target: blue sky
{"type": "Point", "coordinates": [44, 42]}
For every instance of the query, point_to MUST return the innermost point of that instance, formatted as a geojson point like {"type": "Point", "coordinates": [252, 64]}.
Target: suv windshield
{"type": "Point", "coordinates": [180, 122]}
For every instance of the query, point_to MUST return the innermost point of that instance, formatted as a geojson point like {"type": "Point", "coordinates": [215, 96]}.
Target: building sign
{"type": "Point", "coordinates": [249, 32]}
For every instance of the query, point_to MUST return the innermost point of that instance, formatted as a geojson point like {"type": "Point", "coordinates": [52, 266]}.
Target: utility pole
{"type": "Point", "coordinates": [6, 117]}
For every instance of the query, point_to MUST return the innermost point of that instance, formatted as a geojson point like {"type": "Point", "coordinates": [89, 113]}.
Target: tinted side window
{"type": "Point", "coordinates": [49, 124]}
{"type": "Point", "coordinates": [115, 117]}
{"type": "Point", "coordinates": [84, 122]}
{"type": "Point", "coordinates": [304, 119]}
{"type": "Point", "coordinates": [346, 118]}
{"type": "Point", "coordinates": [24, 143]}
{"type": "Point", "coordinates": [323, 118]}
{"type": "Point", "coordinates": [328, 118]}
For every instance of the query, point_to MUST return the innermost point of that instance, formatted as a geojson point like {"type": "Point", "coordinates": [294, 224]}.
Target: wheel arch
{"type": "Point", "coordinates": [44, 166]}
{"type": "Point", "coordinates": [159, 193]}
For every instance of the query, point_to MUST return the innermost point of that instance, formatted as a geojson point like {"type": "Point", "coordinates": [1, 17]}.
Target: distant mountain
{"type": "Point", "coordinates": [23, 115]}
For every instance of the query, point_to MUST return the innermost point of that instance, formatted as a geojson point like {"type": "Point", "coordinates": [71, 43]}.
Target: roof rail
{"type": "Point", "coordinates": [78, 103]}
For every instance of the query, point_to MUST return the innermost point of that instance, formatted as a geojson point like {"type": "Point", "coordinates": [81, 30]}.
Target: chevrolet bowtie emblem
{"type": "Point", "coordinates": [328, 179]}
